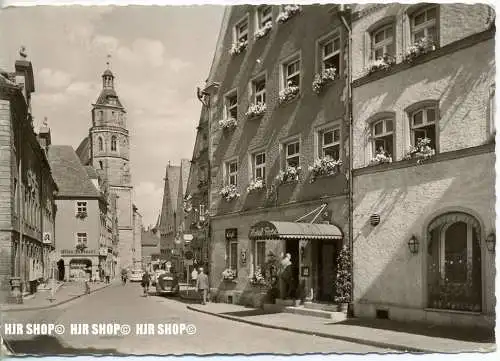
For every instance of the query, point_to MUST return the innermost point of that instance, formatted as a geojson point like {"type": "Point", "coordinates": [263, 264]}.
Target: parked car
{"type": "Point", "coordinates": [167, 283]}
{"type": "Point", "coordinates": [135, 275]}
{"type": "Point", "coordinates": [155, 275]}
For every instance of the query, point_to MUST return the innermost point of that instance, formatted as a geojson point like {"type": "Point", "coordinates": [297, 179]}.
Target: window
{"type": "Point", "coordinates": [101, 146]}
{"type": "Point", "coordinates": [292, 154]}
{"type": "Point", "coordinates": [264, 16]}
{"type": "Point", "coordinates": [81, 207]}
{"type": "Point", "coordinates": [233, 254]}
{"type": "Point", "coordinates": [423, 24]}
{"type": "Point", "coordinates": [232, 173]}
{"type": "Point", "coordinates": [260, 255]}
{"type": "Point", "coordinates": [383, 42]}
{"type": "Point", "coordinates": [259, 166]}
{"type": "Point", "coordinates": [101, 115]}
{"type": "Point", "coordinates": [330, 143]}
{"type": "Point", "coordinates": [382, 134]}
{"type": "Point", "coordinates": [454, 263]}
{"type": "Point", "coordinates": [113, 143]}
{"type": "Point", "coordinates": [241, 31]}
{"type": "Point", "coordinates": [81, 238]}
{"type": "Point", "coordinates": [101, 165]}
{"type": "Point", "coordinates": [232, 106]}
{"type": "Point", "coordinates": [291, 72]}
{"type": "Point", "coordinates": [330, 54]}
{"type": "Point", "coordinates": [423, 125]}
{"type": "Point", "coordinates": [259, 91]}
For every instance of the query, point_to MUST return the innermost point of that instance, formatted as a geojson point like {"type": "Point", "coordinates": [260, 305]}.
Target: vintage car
{"type": "Point", "coordinates": [135, 275]}
{"type": "Point", "coordinates": [167, 283]}
{"type": "Point", "coordinates": [155, 275]}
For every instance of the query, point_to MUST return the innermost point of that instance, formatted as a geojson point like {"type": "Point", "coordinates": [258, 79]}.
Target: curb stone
{"type": "Point", "coordinates": [380, 344]}
{"type": "Point", "coordinates": [54, 304]}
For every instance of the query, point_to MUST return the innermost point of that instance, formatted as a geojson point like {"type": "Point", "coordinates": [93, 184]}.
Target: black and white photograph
{"type": "Point", "coordinates": [247, 179]}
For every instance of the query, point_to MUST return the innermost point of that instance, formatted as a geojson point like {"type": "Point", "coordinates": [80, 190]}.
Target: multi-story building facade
{"type": "Point", "coordinates": [278, 105]}
{"type": "Point", "coordinates": [84, 242]}
{"type": "Point", "coordinates": [424, 163]}
{"type": "Point", "coordinates": [137, 243]}
{"type": "Point", "coordinates": [27, 189]}
{"type": "Point", "coordinates": [107, 149]}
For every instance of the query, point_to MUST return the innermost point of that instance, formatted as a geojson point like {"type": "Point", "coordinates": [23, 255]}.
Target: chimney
{"type": "Point", "coordinates": [24, 75]}
{"type": "Point", "coordinates": [44, 137]}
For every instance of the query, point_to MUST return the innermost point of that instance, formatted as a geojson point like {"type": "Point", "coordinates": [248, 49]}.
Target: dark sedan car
{"type": "Point", "coordinates": [167, 283]}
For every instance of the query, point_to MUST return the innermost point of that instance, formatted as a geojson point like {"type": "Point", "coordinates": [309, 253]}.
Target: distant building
{"type": "Point", "coordinates": [27, 189]}
{"type": "Point", "coordinates": [150, 245]}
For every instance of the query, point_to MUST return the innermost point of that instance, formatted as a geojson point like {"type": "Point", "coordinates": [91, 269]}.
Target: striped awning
{"type": "Point", "coordinates": [294, 230]}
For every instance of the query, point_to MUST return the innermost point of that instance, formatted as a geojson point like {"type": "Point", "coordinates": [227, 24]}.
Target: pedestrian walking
{"type": "Point", "coordinates": [106, 275]}
{"type": "Point", "coordinates": [146, 279]}
{"type": "Point", "coordinates": [202, 286]}
{"type": "Point", "coordinates": [124, 276]}
{"type": "Point", "coordinates": [194, 276]}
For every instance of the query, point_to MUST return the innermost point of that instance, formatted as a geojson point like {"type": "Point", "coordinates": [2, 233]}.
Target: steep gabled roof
{"type": "Point", "coordinates": [69, 174]}
{"type": "Point", "coordinates": [170, 191]}
{"type": "Point", "coordinates": [83, 151]}
{"type": "Point", "coordinates": [185, 169]}
{"type": "Point", "coordinates": [106, 95]}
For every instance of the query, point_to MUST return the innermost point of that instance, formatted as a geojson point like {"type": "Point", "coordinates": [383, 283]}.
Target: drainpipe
{"type": "Point", "coordinates": [342, 11]}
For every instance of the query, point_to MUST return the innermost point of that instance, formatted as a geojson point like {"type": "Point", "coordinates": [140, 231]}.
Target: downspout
{"type": "Point", "coordinates": [342, 11]}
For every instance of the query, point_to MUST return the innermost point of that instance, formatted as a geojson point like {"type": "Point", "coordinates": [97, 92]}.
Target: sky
{"type": "Point", "coordinates": [159, 55]}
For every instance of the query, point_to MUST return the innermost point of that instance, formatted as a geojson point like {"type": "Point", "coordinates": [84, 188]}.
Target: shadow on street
{"type": "Point", "coordinates": [50, 346]}
{"type": "Point", "coordinates": [472, 334]}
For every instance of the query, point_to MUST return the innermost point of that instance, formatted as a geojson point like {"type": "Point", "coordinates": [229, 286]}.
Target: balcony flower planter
{"type": "Point", "coordinates": [259, 34]}
{"type": "Point", "coordinates": [80, 248]}
{"type": "Point", "coordinates": [290, 174]}
{"type": "Point", "coordinates": [288, 94]}
{"type": "Point", "coordinates": [228, 275]}
{"type": "Point", "coordinates": [381, 158]}
{"type": "Point", "coordinates": [288, 12]}
{"type": "Point", "coordinates": [256, 110]}
{"type": "Point", "coordinates": [421, 152]}
{"type": "Point", "coordinates": [238, 47]}
{"type": "Point", "coordinates": [381, 64]}
{"type": "Point", "coordinates": [420, 47]}
{"type": "Point", "coordinates": [323, 79]}
{"type": "Point", "coordinates": [324, 167]}
{"type": "Point", "coordinates": [228, 124]}
{"type": "Point", "coordinates": [229, 192]}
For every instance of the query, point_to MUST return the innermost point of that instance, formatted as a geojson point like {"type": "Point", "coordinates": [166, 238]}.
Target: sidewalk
{"type": "Point", "coordinates": [66, 292]}
{"type": "Point", "coordinates": [388, 334]}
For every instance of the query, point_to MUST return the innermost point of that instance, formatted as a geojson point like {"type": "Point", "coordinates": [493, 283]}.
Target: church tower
{"type": "Point", "coordinates": [110, 156]}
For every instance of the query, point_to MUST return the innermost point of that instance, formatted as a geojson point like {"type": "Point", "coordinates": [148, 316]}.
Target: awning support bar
{"type": "Point", "coordinates": [318, 210]}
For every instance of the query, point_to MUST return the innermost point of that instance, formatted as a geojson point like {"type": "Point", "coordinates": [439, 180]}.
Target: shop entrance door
{"type": "Point", "coordinates": [327, 271]}
{"type": "Point", "coordinates": [292, 247]}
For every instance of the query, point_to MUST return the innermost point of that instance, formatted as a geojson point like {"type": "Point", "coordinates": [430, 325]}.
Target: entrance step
{"type": "Point", "coordinates": [321, 306]}
{"type": "Point", "coordinates": [301, 310]}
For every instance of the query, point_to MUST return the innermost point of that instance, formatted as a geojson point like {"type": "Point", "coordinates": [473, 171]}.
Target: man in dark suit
{"type": "Point", "coordinates": [202, 286]}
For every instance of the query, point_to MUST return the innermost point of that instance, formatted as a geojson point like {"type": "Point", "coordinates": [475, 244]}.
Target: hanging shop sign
{"type": "Point", "coordinates": [263, 230]}
{"type": "Point", "coordinates": [47, 238]}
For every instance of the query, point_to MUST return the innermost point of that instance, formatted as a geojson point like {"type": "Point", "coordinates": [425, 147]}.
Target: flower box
{"type": "Point", "coordinates": [290, 174]}
{"type": "Point", "coordinates": [324, 166]}
{"type": "Point", "coordinates": [324, 78]}
{"type": "Point", "coordinates": [288, 94]}
{"type": "Point", "coordinates": [381, 158]}
{"type": "Point", "coordinates": [229, 192]}
{"type": "Point", "coordinates": [421, 152]}
{"type": "Point", "coordinates": [228, 123]}
{"type": "Point", "coordinates": [259, 34]}
{"type": "Point", "coordinates": [255, 185]}
{"type": "Point", "coordinates": [258, 278]}
{"type": "Point", "coordinates": [288, 12]}
{"type": "Point", "coordinates": [383, 63]}
{"type": "Point", "coordinates": [256, 110]}
{"type": "Point", "coordinates": [420, 47]}
{"type": "Point", "coordinates": [238, 47]}
{"type": "Point", "coordinates": [228, 274]}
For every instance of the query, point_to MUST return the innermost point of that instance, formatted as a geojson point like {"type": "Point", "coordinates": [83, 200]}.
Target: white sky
{"type": "Point", "coordinates": [159, 56]}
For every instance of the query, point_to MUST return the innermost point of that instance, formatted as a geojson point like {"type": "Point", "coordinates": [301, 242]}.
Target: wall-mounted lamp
{"type": "Point", "coordinates": [413, 244]}
{"type": "Point", "coordinates": [374, 219]}
{"type": "Point", "coordinates": [490, 242]}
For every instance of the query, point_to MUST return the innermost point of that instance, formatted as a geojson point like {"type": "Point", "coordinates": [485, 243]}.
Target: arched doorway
{"type": "Point", "coordinates": [454, 263]}
{"type": "Point", "coordinates": [60, 270]}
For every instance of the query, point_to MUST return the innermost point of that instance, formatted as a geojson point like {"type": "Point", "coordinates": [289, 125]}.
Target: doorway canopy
{"type": "Point", "coordinates": [293, 230]}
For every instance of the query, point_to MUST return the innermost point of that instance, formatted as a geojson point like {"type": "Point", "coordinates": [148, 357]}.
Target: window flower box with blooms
{"type": "Point", "coordinates": [188, 207]}
{"type": "Point", "coordinates": [258, 278]}
{"type": "Point", "coordinates": [323, 79]}
{"type": "Point", "coordinates": [256, 110]}
{"type": "Point", "coordinates": [259, 34]}
{"type": "Point", "coordinates": [421, 152]}
{"type": "Point", "coordinates": [288, 94]}
{"type": "Point", "coordinates": [238, 47]}
{"type": "Point", "coordinates": [324, 167]}
{"type": "Point", "coordinates": [383, 63]}
{"type": "Point", "coordinates": [81, 215]}
{"type": "Point", "coordinates": [228, 274]}
{"type": "Point", "coordinates": [255, 185]}
{"type": "Point", "coordinates": [381, 157]}
{"type": "Point", "coordinates": [288, 12]}
{"type": "Point", "coordinates": [290, 174]}
{"type": "Point", "coordinates": [229, 192]}
{"type": "Point", "coordinates": [228, 123]}
{"type": "Point", "coordinates": [421, 46]}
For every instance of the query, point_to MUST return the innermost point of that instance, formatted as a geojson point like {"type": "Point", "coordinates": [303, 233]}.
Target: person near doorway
{"type": "Point", "coordinates": [202, 286]}
{"type": "Point", "coordinates": [285, 276]}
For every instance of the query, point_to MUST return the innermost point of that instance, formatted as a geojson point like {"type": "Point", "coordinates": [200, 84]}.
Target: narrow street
{"type": "Point", "coordinates": [125, 305]}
